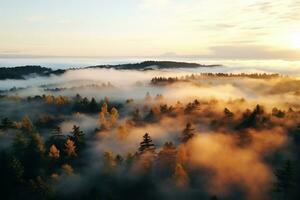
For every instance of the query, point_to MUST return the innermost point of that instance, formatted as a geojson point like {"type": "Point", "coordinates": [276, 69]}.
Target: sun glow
{"type": "Point", "coordinates": [294, 40]}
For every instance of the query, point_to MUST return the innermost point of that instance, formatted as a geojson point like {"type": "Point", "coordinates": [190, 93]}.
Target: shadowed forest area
{"type": "Point", "coordinates": [148, 135]}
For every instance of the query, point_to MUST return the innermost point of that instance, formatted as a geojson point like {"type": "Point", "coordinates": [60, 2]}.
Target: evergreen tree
{"type": "Point", "coordinates": [187, 133]}
{"type": "Point", "coordinates": [284, 180]}
{"type": "Point", "coordinates": [77, 136]}
{"type": "Point", "coordinates": [228, 113]}
{"type": "Point", "coordinates": [93, 107]}
{"type": "Point", "coordinates": [146, 145]}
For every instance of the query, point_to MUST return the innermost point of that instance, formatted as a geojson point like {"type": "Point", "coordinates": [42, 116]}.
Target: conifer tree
{"type": "Point", "coordinates": [77, 136]}
{"type": "Point", "coordinates": [187, 133]}
{"type": "Point", "coordinates": [285, 180]}
{"type": "Point", "coordinates": [146, 145]}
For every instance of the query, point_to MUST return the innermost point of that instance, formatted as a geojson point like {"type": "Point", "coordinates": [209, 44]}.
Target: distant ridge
{"type": "Point", "coordinates": [151, 65]}
{"type": "Point", "coordinates": [22, 72]}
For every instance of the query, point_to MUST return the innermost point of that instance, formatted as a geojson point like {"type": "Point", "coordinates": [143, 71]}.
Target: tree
{"type": "Point", "coordinates": [93, 106]}
{"type": "Point", "coordinates": [54, 152]}
{"type": "Point", "coordinates": [68, 169]}
{"type": "Point", "coordinates": [114, 115]}
{"type": "Point", "coordinates": [109, 160]}
{"type": "Point", "coordinates": [122, 132]}
{"type": "Point", "coordinates": [70, 148]}
{"type": "Point", "coordinates": [103, 116]}
{"type": "Point", "coordinates": [187, 133]}
{"type": "Point", "coordinates": [146, 145]}
{"type": "Point", "coordinates": [284, 179]}
{"type": "Point", "coordinates": [180, 176]}
{"type": "Point", "coordinates": [119, 160]}
{"type": "Point", "coordinates": [26, 124]}
{"type": "Point", "coordinates": [77, 136]}
{"type": "Point", "coordinates": [228, 113]}
{"type": "Point", "coordinates": [56, 131]}
{"type": "Point", "coordinates": [167, 159]}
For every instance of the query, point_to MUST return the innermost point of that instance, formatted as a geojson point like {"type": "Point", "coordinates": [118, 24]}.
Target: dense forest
{"type": "Point", "coordinates": [77, 142]}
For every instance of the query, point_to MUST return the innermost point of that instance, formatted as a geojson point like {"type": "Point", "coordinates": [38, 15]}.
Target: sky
{"type": "Point", "coordinates": [244, 29]}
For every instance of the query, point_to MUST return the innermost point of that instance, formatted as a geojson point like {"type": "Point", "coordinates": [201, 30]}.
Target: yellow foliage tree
{"type": "Point", "coordinates": [180, 176]}
{"type": "Point", "coordinates": [68, 169]}
{"type": "Point", "coordinates": [70, 148]}
{"type": "Point", "coordinates": [54, 152]}
{"type": "Point", "coordinates": [114, 115]}
{"type": "Point", "coordinates": [27, 124]}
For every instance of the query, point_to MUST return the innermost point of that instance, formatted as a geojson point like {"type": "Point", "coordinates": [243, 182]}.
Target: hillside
{"type": "Point", "coordinates": [22, 71]}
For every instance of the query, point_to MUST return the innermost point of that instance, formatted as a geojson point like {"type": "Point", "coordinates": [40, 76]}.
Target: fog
{"type": "Point", "coordinates": [232, 153]}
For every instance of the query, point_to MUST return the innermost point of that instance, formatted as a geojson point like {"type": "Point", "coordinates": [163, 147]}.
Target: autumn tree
{"type": "Point", "coordinates": [26, 124]}
{"type": "Point", "coordinates": [54, 152]}
{"type": "Point", "coordinates": [122, 132]}
{"type": "Point", "coordinates": [180, 176]}
{"type": "Point", "coordinates": [67, 169]}
{"type": "Point", "coordinates": [167, 159]}
{"type": "Point", "coordinates": [109, 160]}
{"type": "Point", "coordinates": [104, 116]}
{"type": "Point", "coordinates": [114, 115]}
{"type": "Point", "coordinates": [70, 148]}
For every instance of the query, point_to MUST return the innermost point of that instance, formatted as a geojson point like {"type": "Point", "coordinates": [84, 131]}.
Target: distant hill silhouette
{"type": "Point", "coordinates": [150, 65]}
{"type": "Point", "coordinates": [22, 71]}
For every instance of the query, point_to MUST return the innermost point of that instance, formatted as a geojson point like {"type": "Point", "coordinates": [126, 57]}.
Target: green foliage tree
{"type": "Point", "coordinates": [285, 180]}
{"type": "Point", "coordinates": [78, 137]}
{"type": "Point", "coordinates": [147, 145]}
{"type": "Point", "coordinates": [187, 133]}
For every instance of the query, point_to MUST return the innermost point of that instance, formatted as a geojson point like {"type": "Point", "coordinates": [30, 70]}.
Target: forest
{"type": "Point", "coordinates": [210, 136]}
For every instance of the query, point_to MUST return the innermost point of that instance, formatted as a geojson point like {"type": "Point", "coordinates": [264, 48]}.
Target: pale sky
{"type": "Point", "coordinates": [264, 29]}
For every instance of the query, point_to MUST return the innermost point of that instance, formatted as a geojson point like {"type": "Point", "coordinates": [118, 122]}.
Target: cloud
{"type": "Point", "coordinates": [252, 52]}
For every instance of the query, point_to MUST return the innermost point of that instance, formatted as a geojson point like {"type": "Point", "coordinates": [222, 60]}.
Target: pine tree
{"type": "Point", "coordinates": [284, 179]}
{"type": "Point", "coordinates": [93, 106]}
{"type": "Point", "coordinates": [77, 136]}
{"type": "Point", "coordinates": [187, 133]}
{"type": "Point", "coordinates": [146, 145]}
